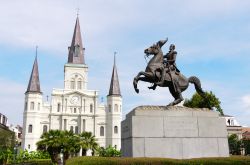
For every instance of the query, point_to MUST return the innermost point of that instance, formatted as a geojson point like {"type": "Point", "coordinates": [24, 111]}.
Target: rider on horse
{"type": "Point", "coordinates": [170, 67]}
{"type": "Point", "coordinates": [164, 73]}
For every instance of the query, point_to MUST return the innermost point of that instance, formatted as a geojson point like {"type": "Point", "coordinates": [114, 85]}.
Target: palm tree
{"type": "Point", "coordinates": [57, 141]}
{"type": "Point", "coordinates": [88, 141]}
{"type": "Point", "coordinates": [51, 141]}
{"type": "Point", "coordinates": [70, 144]}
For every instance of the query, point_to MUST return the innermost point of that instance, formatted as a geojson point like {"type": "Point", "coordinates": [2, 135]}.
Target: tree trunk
{"type": "Point", "coordinates": [84, 152]}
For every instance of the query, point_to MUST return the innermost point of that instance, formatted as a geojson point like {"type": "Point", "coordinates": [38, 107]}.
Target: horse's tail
{"type": "Point", "coordinates": [197, 84]}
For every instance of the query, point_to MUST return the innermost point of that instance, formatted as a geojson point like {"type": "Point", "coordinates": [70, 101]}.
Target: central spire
{"type": "Point", "coordinates": [76, 50]}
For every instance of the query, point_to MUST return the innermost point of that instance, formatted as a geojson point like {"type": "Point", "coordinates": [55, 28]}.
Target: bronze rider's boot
{"type": "Point", "coordinates": [161, 82]}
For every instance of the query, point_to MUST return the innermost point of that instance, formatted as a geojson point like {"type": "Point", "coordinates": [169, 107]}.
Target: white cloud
{"type": "Point", "coordinates": [246, 100]}
{"type": "Point", "coordinates": [50, 23]}
{"type": "Point", "coordinates": [12, 100]}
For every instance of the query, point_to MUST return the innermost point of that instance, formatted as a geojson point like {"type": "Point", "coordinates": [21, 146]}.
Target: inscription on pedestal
{"type": "Point", "coordinates": [180, 127]}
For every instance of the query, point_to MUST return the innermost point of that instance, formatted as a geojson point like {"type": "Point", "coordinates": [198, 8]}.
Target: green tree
{"type": "Point", "coordinates": [209, 100]}
{"type": "Point", "coordinates": [235, 144]}
{"type": "Point", "coordinates": [88, 141]}
{"type": "Point", "coordinates": [57, 141]}
{"type": "Point", "coordinates": [7, 143]}
{"type": "Point", "coordinates": [51, 141]}
{"type": "Point", "coordinates": [70, 145]}
{"type": "Point", "coordinates": [246, 145]}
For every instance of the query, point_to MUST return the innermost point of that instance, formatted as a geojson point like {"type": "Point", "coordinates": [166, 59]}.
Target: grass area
{"type": "Point", "coordinates": [235, 160]}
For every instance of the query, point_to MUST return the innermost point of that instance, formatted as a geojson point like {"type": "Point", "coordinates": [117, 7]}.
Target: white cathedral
{"type": "Point", "coordinates": [75, 107]}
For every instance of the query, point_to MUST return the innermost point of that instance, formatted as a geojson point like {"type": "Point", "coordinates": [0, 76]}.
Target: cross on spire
{"type": "Point", "coordinates": [115, 57]}
{"type": "Point", "coordinates": [36, 49]}
{"type": "Point", "coordinates": [77, 11]}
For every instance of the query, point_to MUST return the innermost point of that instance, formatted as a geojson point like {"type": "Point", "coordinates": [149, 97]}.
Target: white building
{"type": "Point", "coordinates": [233, 127]}
{"type": "Point", "coordinates": [75, 107]}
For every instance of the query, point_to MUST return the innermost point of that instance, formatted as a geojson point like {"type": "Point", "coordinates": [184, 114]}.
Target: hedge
{"type": "Point", "coordinates": [35, 162]}
{"type": "Point", "coordinates": [236, 160]}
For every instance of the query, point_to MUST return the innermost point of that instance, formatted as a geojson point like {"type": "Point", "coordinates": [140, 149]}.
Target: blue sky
{"type": "Point", "coordinates": [212, 39]}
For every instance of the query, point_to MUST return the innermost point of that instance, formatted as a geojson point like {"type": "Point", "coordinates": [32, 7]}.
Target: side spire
{"type": "Point", "coordinates": [114, 84]}
{"type": "Point", "coordinates": [34, 83]}
{"type": "Point", "coordinates": [76, 50]}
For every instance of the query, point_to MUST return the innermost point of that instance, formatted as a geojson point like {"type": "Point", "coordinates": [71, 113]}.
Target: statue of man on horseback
{"type": "Point", "coordinates": [164, 73]}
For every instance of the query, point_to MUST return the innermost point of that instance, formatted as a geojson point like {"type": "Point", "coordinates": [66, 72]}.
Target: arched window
{"type": "Point", "coordinates": [76, 129]}
{"type": "Point", "coordinates": [58, 107]}
{"type": "Point", "coordinates": [116, 130]}
{"type": "Point", "coordinates": [110, 108]}
{"type": "Point", "coordinates": [45, 128]}
{"type": "Point", "coordinates": [232, 122]}
{"type": "Point", "coordinates": [120, 108]}
{"type": "Point", "coordinates": [116, 108]}
{"type": "Point", "coordinates": [32, 105]}
{"type": "Point", "coordinates": [72, 84]}
{"type": "Point", "coordinates": [30, 129]}
{"type": "Point", "coordinates": [71, 128]}
{"type": "Point", "coordinates": [74, 110]}
{"type": "Point", "coordinates": [28, 146]}
{"type": "Point", "coordinates": [91, 108]}
{"type": "Point", "coordinates": [101, 131]}
{"type": "Point", "coordinates": [38, 106]}
{"type": "Point", "coordinates": [79, 84]}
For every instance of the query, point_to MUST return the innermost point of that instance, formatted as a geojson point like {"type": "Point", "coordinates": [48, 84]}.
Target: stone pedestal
{"type": "Point", "coordinates": [173, 132]}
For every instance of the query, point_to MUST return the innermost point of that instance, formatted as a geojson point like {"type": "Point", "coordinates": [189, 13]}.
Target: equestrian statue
{"type": "Point", "coordinates": [162, 71]}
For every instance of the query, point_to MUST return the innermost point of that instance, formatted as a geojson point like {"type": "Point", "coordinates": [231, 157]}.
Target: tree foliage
{"type": "Point", "coordinates": [246, 145]}
{"type": "Point", "coordinates": [109, 152]}
{"type": "Point", "coordinates": [210, 100]}
{"type": "Point", "coordinates": [7, 143]}
{"type": "Point", "coordinates": [235, 144]}
{"type": "Point", "coordinates": [88, 142]}
{"type": "Point", "coordinates": [67, 143]}
{"type": "Point", "coordinates": [57, 141]}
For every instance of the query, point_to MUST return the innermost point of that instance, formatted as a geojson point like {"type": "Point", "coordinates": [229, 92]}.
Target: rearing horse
{"type": "Point", "coordinates": [153, 70]}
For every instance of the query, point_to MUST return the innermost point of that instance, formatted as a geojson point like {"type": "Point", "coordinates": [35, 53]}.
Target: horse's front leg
{"type": "Point", "coordinates": [148, 75]}
{"type": "Point", "coordinates": [135, 82]}
{"type": "Point", "coordinates": [153, 86]}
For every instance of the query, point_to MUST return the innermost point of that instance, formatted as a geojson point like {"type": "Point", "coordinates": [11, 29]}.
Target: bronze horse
{"type": "Point", "coordinates": [152, 74]}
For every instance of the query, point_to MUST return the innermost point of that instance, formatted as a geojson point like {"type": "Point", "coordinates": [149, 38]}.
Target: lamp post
{"type": "Point", "coordinates": [15, 152]}
{"type": "Point", "coordinates": [61, 156]}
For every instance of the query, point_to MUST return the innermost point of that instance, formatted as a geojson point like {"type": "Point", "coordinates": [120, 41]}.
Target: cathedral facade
{"type": "Point", "coordinates": [74, 107]}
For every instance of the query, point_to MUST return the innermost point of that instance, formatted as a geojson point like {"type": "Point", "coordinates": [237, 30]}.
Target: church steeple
{"type": "Point", "coordinates": [114, 84]}
{"type": "Point", "coordinates": [34, 83]}
{"type": "Point", "coordinates": [76, 50]}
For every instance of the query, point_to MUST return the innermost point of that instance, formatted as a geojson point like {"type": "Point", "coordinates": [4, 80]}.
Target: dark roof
{"type": "Point", "coordinates": [226, 116]}
{"type": "Point", "coordinates": [114, 84]}
{"type": "Point", "coordinates": [76, 50]}
{"type": "Point", "coordinates": [34, 83]}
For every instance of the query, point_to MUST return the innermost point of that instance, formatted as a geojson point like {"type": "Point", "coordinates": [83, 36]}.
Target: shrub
{"type": "Point", "coordinates": [36, 162]}
{"type": "Point", "coordinates": [109, 152]}
{"type": "Point", "coordinates": [241, 160]}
